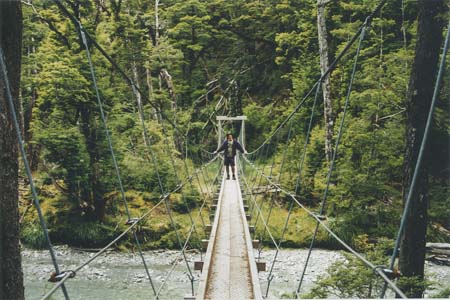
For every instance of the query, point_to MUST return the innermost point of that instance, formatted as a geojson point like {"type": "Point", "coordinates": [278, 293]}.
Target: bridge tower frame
{"type": "Point", "coordinates": [220, 119]}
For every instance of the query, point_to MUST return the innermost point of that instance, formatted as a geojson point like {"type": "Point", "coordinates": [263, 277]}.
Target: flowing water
{"type": "Point", "coordinates": [121, 276]}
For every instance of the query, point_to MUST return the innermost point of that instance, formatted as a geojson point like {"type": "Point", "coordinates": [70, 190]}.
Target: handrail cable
{"type": "Point", "coordinates": [327, 72]}
{"type": "Point", "coordinates": [127, 78]}
{"type": "Point", "coordinates": [336, 147]}
{"type": "Point", "coordinates": [421, 154]}
{"type": "Point", "coordinates": [83, 35]}
{"type": "Point", "coordinates": [265, 155]}
{"type": "Point", "coordinates": [333, 234]}
{"type": "Point", "coordinates": [191, 230]}
{"type": "Point", "coordinates": [191, 278]}
{"type": "Point", "coordinates": [276, 192]}
{"type": "Point", "coordinates": [4, 75]}
{"type": "Point", "coordinates": [111, 149]}
{"type": "Point", "coordinates": [259, 209]}
{"type": "Point", "coordinates": [135, 222]}
{"type": "Point", "coordinates": [267, 190]}
{"type": "Point", "coordinates": [291, 205]}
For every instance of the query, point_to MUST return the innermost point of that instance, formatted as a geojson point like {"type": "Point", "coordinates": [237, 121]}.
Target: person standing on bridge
{"type": "Point", "coordinates": [229, 148]}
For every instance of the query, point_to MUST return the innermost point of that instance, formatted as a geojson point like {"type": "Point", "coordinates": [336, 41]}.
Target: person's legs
{"type": "Point", "coordinates": [227, 164]}
{"type": "Point", "coordinates": [232, 167]}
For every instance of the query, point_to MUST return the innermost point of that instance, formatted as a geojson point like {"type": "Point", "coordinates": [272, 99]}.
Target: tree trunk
{"type": "Point", "coordinates": [326, 84]}
{"type": "Point", "coordinates": [32, 150]}
{"type": "Point", "coordinates": [138, 96]}
{"type": "Point", "coordinates": [164, 74]}
{"type": "Point", "coordinates": [89, 131]}
{"type": "Point", "coordinates": [420, 91]}
{"type": "Point", "coordinates": [148, 74]}
{"type": "Point", "coordinates": [11, 276]}
{"type": "Point", "coordinates": [156, 22]}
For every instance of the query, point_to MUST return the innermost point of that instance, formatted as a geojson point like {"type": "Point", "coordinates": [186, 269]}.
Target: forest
{"type": "Point", "coordinates": [190, 61]}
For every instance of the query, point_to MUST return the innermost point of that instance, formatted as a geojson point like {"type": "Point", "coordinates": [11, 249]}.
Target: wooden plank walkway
{"type": "Point", "coordinates": [229, 270]}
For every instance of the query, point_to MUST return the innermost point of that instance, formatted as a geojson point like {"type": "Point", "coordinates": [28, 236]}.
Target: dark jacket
{"type": "Point", "coordinates": [235, 146]}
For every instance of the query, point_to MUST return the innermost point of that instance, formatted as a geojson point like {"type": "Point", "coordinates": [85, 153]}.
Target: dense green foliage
{"type": "Point", "coordinates": [256, 58]}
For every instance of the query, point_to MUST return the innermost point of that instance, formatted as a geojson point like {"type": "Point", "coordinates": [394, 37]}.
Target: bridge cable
{"type": "Point", "coordinates": [84, 34]}
{"type": "Point", "coordinates": [182, 248]}
{"type": "Point", "coordinates": [420, 155]}
{"type": "Point", "coordinates": [318, 218]}
{"type": "Point", "coordinates": [4, 75]}
{"type": "Point", "coordinates": [172, 161]}
{"type": "Point", "coordinates": [111, 149]}
{"type": "Point", "coordinates": [116, 66]}
{"type": "Point", "coordinates": [333, 160]}
{"type": "Point", "coordinates": [192, 188]}
{"type": "Point", "coordinates": [120, 236]}
{"type": "Point", "coordinates": [192, 229]}
{"type": "Point", "coordinates": [276, 192]}
{"type": "Point", "coordinates": [264, 156]}
{"type": "Point", "coordinates": [259, 210]}
{"type": "Point", "coordinates": [133, 87]}
{"type": "Point", "coordinates": [327, 72]}
{"type": "Point", "coordinates": [191, 278]}
{"type": "Point", "coordinates": [297, 185]}
{"type": "Point", "coordinates": [267, 190]}
{"type": "Point", "coordinates": [155, 165]}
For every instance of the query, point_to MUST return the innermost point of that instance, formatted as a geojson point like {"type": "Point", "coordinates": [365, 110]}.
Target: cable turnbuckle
{"type": "Point", "coordinates": [391, 274]}
{"type": "Point", "coordinates": [131, 221]}
{"type": "Point", "coordinates": [54, 277]}
{"type": "Point", "coordinates": [321, 217]}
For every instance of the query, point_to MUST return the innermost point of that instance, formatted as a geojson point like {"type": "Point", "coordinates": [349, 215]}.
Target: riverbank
{"type": "Point", "coordinates": [116, 275]}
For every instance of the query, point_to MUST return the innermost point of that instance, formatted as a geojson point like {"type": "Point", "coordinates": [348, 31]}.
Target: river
{"type": "Point", "coordinates": [121, 276]}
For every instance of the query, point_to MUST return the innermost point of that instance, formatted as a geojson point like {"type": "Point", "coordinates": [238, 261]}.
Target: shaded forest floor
{"type": "Point", "coordinates": [73, 224]}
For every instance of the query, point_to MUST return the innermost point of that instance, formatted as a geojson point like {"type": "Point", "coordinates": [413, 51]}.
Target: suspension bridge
{"type": "Point", "coordinates": [230, 249]}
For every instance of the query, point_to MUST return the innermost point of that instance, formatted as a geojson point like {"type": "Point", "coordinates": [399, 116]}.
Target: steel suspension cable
{"type": "Point", "coordinates": [291, 205]}
{"type": "Point", "coordinates": [167, 206]}
{"type": "Point", "coordinates": [327, 72]}
{"type": "Point", "coordinates": [182, 192]}
{"type": "Point", "coordinates": [266, 155]}
{"type": "Point", "coordinates": [115, 65]}
{"type": "Point", "coordinates": [308, 134]}
{"type": "Point", "coordinates": [71, 273]}
{"type": "Point", "coordinates": [334, 235]}
{"type": "Point", "coordinates": [420, 155]}
{"type": "Point", "coordinates": [186, 243]}
{"type": "Point", "coordinates": [186, 169]}
{"type": "Point", "coordinates": [275, 194]}
{"type": "Point", "coordinates": [111, 149]}
{"type": "Point", "coordinates": [4, 76]}
{"type": "Point", "coordinates": [172, 221]}
{"type": "Point", "coordinates": [333, 160]}
{"type": "Point", "coordinates": [131, 83]}
{"type": "Point", "coordinates": [259, 209]}
{"type": "Point", "coordinates": [267, 189]}
{"type": "Point", "coordinates": [172, 161]}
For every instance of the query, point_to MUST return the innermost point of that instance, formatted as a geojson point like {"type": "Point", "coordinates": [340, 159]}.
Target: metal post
{"type": "Point", "coordinates": [243, 134]}
{"type": "Point", "coordinates": [219, 141]}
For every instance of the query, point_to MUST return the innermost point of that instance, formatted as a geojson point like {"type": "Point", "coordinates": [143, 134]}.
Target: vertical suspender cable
{"type": "Point", "coordinates": [333, 160]}
{"type": "Point", "coordinates": [4, 74]}
{"type": "Point", "coordinates": [420, 156]}
{"type": "Point", "coordinates": [111, 149]}
{"type": "Point", "coordinates": [291, 205]}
